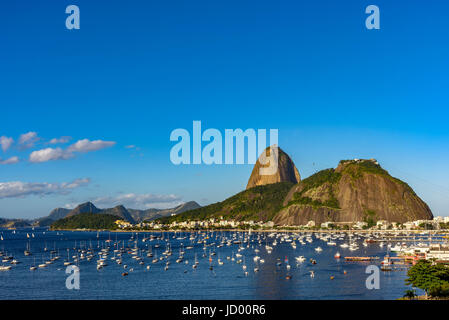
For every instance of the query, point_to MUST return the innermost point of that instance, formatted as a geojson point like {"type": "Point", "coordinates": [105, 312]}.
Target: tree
{"type": "Point", "coordinates": [431, 277]}
{"type": "Point", "coordinates": [410, 294]}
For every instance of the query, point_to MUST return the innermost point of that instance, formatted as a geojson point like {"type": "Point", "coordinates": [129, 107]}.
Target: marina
{"type": "Point", "coordinates": [203, 265]}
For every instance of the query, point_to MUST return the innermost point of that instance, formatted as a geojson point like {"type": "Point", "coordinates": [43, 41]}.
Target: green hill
{"type": "Point", "coordinates": [260, 203]}
{"type": "Point", "coordinates": [357, 190]}
{"type": "Point", "coordinates": [86, 221]}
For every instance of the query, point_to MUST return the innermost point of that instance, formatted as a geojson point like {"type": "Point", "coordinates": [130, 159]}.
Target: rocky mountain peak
{"type": "Point", "coordinates": [286, 170]}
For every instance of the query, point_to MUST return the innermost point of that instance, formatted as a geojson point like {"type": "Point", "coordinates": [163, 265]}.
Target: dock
{"type": "Point", "coordinates": [361, 258]}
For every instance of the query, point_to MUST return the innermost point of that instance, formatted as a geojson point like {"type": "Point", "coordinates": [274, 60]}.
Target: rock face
{"type": "Point", "coordinates": [58, 213]}
{"type": "Point", "coordinates": [357, 190]}
{"type": "Point", "coordinates": [286, 171]}
{"type": "Point", "coordinates": [87, 207]}
{"type": "Point", "coordinates": [121, 212]}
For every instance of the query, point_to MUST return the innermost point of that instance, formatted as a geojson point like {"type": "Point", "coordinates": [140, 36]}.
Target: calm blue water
{"type": "Point", "coordinates": [181, 281]}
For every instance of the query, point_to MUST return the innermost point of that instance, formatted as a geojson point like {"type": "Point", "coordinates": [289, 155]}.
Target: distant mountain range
{"type": "Point", "coordinates": [130, 215]}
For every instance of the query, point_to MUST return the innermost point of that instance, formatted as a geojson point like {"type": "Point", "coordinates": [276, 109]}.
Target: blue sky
{"type": "Point", "coordinates": [136, 70]}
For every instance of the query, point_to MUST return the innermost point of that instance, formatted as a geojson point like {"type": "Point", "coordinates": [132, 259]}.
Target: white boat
{"type": "Point", "coordinates": [386, 261]}
{"type": "Point", "coordinates": [318, 249]}
{"type": "Point", "coordinates": [5, 268]}
{"type": "Point", "coordinates": [396, 248]}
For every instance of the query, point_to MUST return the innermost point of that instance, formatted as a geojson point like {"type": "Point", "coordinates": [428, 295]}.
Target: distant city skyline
{"type": "Point", "coordinates": [87, 114]}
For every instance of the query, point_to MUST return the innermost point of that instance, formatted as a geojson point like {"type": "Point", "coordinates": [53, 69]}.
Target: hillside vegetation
{"type": "Point", "coordinates": [260, 203]}
{"type": "Point", "coordinates": [87, 221]}
{"type": "Point", "coordinates": [357, 190]}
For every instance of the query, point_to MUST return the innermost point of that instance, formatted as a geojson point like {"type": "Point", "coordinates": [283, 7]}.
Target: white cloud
{"type": "Point", "coordinates": [17, 189]}
{"type": "Point", "coordinates": [48, 154]}
{"type": "Point", "coordinates": [6, 142]}
{"type": "Point", "coordinates": [59, 140]}
{"type": "Point", "coordinates": [83, 146]}
{"type": "Point", "coordinates": [140, 201]}
{"type": "Point", "coordinates": [11, 160]}
{"type": "Point", "coordinates": [27, 140]}
{"type": "Point", "coordinates": [86, 145]}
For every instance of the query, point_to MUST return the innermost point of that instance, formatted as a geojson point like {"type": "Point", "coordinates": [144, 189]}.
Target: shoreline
{"type": "Point", "coordinates": [254, 231]}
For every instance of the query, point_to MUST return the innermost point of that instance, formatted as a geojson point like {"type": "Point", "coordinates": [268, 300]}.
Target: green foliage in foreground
{"type": "Point", "coordinates": [260, 203]}
{"type": "Point", "coordinates": [87, 221]}
{"type": "Point", "coordinates": [409, 294]}
{"type": "Point", "coordinates": [431, 277]}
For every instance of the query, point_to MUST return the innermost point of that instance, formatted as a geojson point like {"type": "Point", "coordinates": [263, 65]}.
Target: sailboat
{"type": "Point", "coordinates": [27, 252]}
{"type": "Point", "coordinates": [42, 265]}
{"type": "Point", "coordinates": [32, 268]}
{"type": "Point", "coordinates": [67, 262]}
{"type": "Point", "coordinates": [155, 258]}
